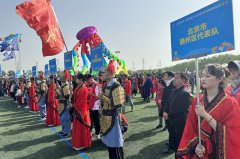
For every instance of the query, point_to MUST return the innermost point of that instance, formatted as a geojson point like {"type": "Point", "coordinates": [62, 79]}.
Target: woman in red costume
{"type": "Point", "coordinates": [153, 89]}
{"type": "Point", "coordinates": [33, 96]}
{"type": "Point", "coordinates": [52, 104]}
{"type": "Point", "coordinates": [234, 88]}
{"type": "Point", "coordinates": [220, 121]}
{"type": "Point", "coordinates": [81, 137]}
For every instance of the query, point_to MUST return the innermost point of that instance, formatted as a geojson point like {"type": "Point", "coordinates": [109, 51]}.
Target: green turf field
{"type": "Point", "coordinates": [23, 136]}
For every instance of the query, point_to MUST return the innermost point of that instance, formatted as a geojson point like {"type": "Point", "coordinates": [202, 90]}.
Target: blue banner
{"type": "Point", "coordinates": [207, 31]}
{"type": "Point", "coordinates": [53, 66]}
{"type": "Point", "coordinates": [13, 74]}
{"type": "Point", "coordinates": [34, 71]}
{"type": "Point", "coordinates": [46, 70]}
{"type": "Point", "coordinates": [27, 72]}
{"type": "Point", "coordinates": [18, 74]}
{"type": "Point", "coordinates": [68, 60]}
{"type": "Point", "coordinates": [97, 59]}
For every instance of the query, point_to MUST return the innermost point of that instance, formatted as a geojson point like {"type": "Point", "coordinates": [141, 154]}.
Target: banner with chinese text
{"type": "Point", "coordinates": [207, 31]}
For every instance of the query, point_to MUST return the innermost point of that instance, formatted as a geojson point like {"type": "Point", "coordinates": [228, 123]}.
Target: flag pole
{"type": "Point", "coordinates": [19, 56]}
{"type": "Point", "coordinates": [198, 101]}
{"type": "Point", "coordinates": [15, 63]}
{"type": "Point", "coordinates": [59, 28]}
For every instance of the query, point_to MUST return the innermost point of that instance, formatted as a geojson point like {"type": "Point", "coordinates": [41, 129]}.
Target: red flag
{"type": "Point", "coordinates": [40, 16]}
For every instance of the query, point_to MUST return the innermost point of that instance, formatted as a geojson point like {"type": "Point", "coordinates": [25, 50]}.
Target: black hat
{"type": "Point", "coordinates": [88, 76]}
{"type": "Point", "coordinates": [51, 76]}
{"type": "Point", "coordinates": [169, 73]}
{"type": "Point", "coordinates": [81, 76]}
{"type": "Point", "coordinates": [32, 78]}
{"type": "Point", "coordinates": [100, 73]}
{"type": "Point", "coordinates": [234, 65]}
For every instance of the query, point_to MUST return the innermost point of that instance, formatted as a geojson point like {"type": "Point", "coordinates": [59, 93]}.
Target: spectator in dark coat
{"type": "Point", "coordinates": [168, 79]}
{"type": "Point", "coordinates": [176, 111]}
{"type": "Point", "coordinates": [1, 88]}
{"type": "Point", "coordinates": [147, 86]}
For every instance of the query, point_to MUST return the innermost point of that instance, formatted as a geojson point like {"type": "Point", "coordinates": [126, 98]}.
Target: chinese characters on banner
{"type": "Point", "coordinates": [97, 59]}
{"type": "Point", "coordinates": [68, 60]}
{"type": "Point", "coordinates": [34, 71]}
{"type": "Point", "coordinates": [46, 70]}
{"type": "Point", "coordinates": [204, 32]}
{"type": "Point", "coordinates": [53, 66]}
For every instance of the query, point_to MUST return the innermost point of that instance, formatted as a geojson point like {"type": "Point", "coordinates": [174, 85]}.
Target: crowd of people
{"type": "Point", "coordinates": [93, 107]}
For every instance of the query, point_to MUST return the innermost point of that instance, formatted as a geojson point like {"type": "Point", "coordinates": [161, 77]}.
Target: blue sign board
{"type": "Point", "coordinates": [97, 59]}
{"type": "Point", "coordinates": [46, 70]}
{"type": "Point", "coordinates": [68, 60]}
{"type": "Point", "coordinates": [53, 66]}
{"type": "Point", "coordinates": [18, 74]}
{"type": "Point", "coordinates": [27, 72]}
{"type": "Point", "coordinates": [34, 71]}
{"type": "Point", "coordinates": [0, 70]}
{"type": "Point", "coordinates": [13, 74]}
{"type": "Point", "coordinates": [207, 31]}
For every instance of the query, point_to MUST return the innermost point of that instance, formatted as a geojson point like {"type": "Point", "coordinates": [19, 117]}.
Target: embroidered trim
{"type": "Point", "coordinates": [210, 106]}
{"type": "Point", "coordinates": [220, 142]}
{"type": "Point", "coordinates": [205, 133]}
{"type": "Point", "coordinates": [214, 104]}
{"type": "Point", "coordinates": [189, 149]}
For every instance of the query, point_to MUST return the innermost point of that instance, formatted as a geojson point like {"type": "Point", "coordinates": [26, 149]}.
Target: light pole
{"type": "Point", "coordinates": [117, 52]}
{"type": "Point", "coordinates": [143, 63]}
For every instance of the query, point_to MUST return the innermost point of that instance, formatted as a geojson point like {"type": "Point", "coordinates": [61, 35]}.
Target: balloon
{"type": "Point", "coordinates": [119, 69]}
{"type": "Point", "coordinates": [84, 70]}
{"type": "Point", "coordinates": [71, 72]}
{"type": "Point", "coordinates": [94, 73]}
{"type": "Point", "coordinates": [86, 33]}
{"type": "Point", "coordinates": [89, 57]}
{"type": "Point", "coordinates": [75, 62]}
{"type": "Point", "coordinates": [124, 63]}
{"type": "Point", "coordinates": [88, 37]}
{"type": "Point", "coordinates": [125, 70]}
{"type": "Point", "coordinates": [84, 59]}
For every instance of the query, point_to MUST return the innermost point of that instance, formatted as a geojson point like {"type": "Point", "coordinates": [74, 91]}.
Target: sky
{"type": "Point", "coordinates": [139, 29]}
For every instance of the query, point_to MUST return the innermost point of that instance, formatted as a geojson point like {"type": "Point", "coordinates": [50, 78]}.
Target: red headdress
{"type": "Point", "coordinates": [66, 74]}
{"type": "Point", "coordinates": [41, 76]}
{"type": "Point", "coordinates": [111, 67]}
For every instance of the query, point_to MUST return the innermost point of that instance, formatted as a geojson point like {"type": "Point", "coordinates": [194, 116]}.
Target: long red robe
{"type": "Point", "coordinates": [228, 90]}
{"type": "Point", "coordinates": [33, 99]}
{"type": "Point", "coordinates": [224, 143]}
{"type": "Point", "coordinates": [52, 113]}
{"type": "Point", "coordinates": [81, 136]}
{"type": "Point", "coordinates": [136, 84]}
{"type": "Point", "coordinates": [128, 87]}
{"type": "Point", "coordinates": [153, 89]}
{"type": "Point", "coordinates": [159, 94]}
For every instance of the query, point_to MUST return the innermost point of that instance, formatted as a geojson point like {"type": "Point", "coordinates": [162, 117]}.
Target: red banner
{"type": "Point", "coordinates": [40, 16]}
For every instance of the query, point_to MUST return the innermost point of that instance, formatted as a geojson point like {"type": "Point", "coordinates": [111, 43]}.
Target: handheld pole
{"type": "Point", "coordinates": [198, 101]}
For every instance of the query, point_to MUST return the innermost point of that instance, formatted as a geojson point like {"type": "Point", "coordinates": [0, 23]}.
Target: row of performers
{"type": "Point", "coordinates": [97, 105]}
